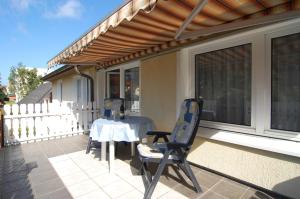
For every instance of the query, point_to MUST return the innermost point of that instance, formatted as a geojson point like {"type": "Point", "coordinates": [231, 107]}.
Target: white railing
{"type": "Point", "coordinates": [34, 122]}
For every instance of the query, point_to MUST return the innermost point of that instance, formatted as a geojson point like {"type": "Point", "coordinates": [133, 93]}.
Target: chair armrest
{"type": "Point", "coordinates": [158, 133]}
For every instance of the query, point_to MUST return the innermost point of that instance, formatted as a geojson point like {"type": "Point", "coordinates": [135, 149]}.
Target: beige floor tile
{"type": "Point", "coordinates": [136, 181]}
{"type": "Point", "coordinates": [118, 188]}
{"type": "Point", "coordinates": [106, 179]}
{"type": "Point", "coordinates": [74, 178]}
{"type": "Point", "coordinates": [96, 171]}
{"type": "Point", "coordinates": [173, 194]}
{"type": "Point", "coordinates": [65, 171]}
{"type": "Point", "coordinates": [135, 194]}
{"type": "Point", "coordinates": [82, 188]}
{"type": "Point", "coordinates": [160, 190]}
{"type": "Point", "coordinates": [77, 154]}
{"type": "Point", "coordinates": [120, 164]}
{"type": "Point", "coordinates": [126, 171]}
{"type": "Point", "coordinates": [98, 194]}
{"type": "Point", "coordinates": [58, 158]}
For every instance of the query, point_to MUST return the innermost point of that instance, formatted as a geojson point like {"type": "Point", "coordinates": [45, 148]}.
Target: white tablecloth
{"type": "Point", "coordinates": [132, 128]}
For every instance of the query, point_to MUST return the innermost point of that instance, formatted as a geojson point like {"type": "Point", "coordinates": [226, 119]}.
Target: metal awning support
{"type": "Point", "coordinates": [242, 24]}
{"type": "Point", "coordinates": [188, 20]}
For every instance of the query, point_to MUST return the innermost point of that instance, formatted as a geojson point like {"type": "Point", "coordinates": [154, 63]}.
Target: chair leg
{"type": "Point", "coordinates": [150, 189]}
{"type": "Point", "coordinates": [192, 176]}
{"type": "Point", "coordinates": [88, 148]}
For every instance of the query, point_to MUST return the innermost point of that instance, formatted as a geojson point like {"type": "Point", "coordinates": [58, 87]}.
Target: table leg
{"type": "Point", "coordinates": [132, 149]}
{"type": "Point", "coordinates": [111, 156]}
{"type": "Point", "coordinates": [103, 151]}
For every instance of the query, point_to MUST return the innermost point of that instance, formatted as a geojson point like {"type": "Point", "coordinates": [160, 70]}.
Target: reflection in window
{"type": "Point", "coordinates": [285, 97]}
{"type": "Point", "coordinates": [114, 84]}
{"type": "Point", "coordinates": [223, 79]}
{"type": "Point", "coordinates": [132, 89]}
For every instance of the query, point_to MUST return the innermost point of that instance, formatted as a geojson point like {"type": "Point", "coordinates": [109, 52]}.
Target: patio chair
{"type": "Point", "coordinates": [174, 151]}
{"type": "Point", "coordinates": [110, 105]}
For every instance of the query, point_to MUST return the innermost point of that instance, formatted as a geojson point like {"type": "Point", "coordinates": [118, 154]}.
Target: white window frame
{"type": "Point", "coordinates": [259, 135]}
{"type": "Point", "coordinates": [268, 83]}
{"type": "Point", "coordinates": [122, 68]}
{"type": "Point", "coordinates": [219, 46]}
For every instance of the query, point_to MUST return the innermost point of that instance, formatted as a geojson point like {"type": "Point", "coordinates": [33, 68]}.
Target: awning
{"type": "Point", "coordinates": [143, 27]}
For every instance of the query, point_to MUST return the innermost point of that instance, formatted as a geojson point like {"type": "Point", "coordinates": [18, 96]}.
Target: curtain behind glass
{"type": "Point", "coordinates": [223, 79]}
{"type": "Point", "coordinates": [132, 89]}
{"type": "Point", "coordinates": [285, 106]}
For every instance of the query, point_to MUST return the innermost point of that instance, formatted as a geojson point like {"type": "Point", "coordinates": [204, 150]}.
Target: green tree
{"type": "Point", "coordinates": [22, 80]}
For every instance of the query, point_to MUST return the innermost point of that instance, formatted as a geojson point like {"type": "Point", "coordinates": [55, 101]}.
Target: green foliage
{"type": "Point", "coordinates": [22, 80]}
{"type": "Point", "coordinates": [2, 95]}
{"type": "Point", "coordinates": [20, 132]}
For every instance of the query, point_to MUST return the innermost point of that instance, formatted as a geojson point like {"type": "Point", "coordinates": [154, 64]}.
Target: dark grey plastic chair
{"type": "Point", "coordinates": [174, 151]}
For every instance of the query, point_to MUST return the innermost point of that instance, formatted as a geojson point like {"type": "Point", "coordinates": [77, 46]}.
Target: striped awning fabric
{"type": "Point", "coordinates": [143, 27]}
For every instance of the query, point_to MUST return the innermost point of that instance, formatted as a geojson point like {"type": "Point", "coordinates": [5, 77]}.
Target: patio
{"type": "Point", "coordinates": [61, 169]}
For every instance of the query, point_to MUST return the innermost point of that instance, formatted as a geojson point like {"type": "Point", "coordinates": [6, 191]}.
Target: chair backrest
{"type": "Point", "coordinates": [188, 121]}
{"type": "Point", "coordinates": [112, 104]}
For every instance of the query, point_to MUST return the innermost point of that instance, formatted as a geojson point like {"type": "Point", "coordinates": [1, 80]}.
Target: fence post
{"type": "Point", "coordinates": [1, 128]}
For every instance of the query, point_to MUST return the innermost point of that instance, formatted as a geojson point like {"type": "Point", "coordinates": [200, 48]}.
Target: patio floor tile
{"type": "Point", "coordinates": [48, 187]}
{"type": "Point", "coordinates": [135, 194]}
{"type": "Point", "coordinates": [211, 195]}
{"type": "Point", "coordinates": [61, 169]}
{"type": "Point", "coordinates": [61, 193]}
{"type": "Point", "coordinates": [106, 179]}
{"type": "Point", "coordinates": [82, 188]}
{"type": "Point", "coordinates": [228, 190]}
{"type": "Point", "coordinates": [117, 189]}
{"type": "Point", "coordinates": [74, 178]}
{"type": "Point", "coordinates": [95, 195]}
{"type": "Point", "coordinates": [207, 179]}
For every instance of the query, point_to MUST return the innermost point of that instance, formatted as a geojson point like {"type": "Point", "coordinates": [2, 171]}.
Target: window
{"type": "Point", "coordinates": [83, 92]}
{"type": "Point", "coordinates": [285, 83]}
{"type": "Point", "coordinates": [132, 89]}
{"type": "Point", "coordinates": [113, 84]}
{"type": "Point", "coordinates": [78, 90]}
{"type": "Point", "coordinates": [223, 79]}
{"type": "Point", "coordinates": [59, 90]}
{"type": "Point", "coordinates": [124, 82]}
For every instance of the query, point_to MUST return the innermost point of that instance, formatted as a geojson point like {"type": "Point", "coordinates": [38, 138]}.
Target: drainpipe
{"type": "Point", "coordinates": [88, 77]}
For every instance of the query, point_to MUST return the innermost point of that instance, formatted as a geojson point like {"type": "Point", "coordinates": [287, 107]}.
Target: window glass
{"type": "Point", "coordinates": [78, 88]}
{"type": "Point", "coordinates": [223, 79]}
{"type": "Point", "coordinates": [132, 89]}
{"type": "Point", "coordinates": [285, 97]}
{"type": "Point", "coordinates": [113, 84]}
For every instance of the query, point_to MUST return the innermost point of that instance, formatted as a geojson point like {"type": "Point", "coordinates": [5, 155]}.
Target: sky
{"type": "Point", "coordinates": [34, 31]}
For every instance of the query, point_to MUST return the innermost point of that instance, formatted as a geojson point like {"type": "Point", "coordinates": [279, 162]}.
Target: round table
{"type": "Point", "coordinates": [131, 129]}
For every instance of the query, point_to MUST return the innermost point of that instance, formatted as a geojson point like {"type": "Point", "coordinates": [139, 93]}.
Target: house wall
{"type": "Point", "coordinates": [69, 85]}
{"type": "Point", "coordinates": [162, 78]}
{"type": "Point", "coordinates": [158, 90]}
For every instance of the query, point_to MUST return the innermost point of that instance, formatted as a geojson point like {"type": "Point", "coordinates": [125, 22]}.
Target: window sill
{"type": "Point", "coordinates": [258, 142]}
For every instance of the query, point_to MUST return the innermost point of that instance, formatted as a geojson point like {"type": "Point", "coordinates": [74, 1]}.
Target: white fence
{"type": "Point", "coordinates": [32, 122]}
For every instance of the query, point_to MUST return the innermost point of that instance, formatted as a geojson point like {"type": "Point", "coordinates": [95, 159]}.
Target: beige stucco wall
{"type": "Point", "coordinates": [158, 90]}
{"type": "Point", "coordinates": [277, 172]}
